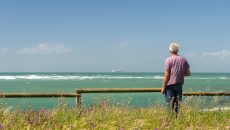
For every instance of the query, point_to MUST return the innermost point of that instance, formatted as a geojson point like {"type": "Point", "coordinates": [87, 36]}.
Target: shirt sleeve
{"type": "Point", "coordinates": [187, 66]}
{"type": "Point", "coordinates": [167, 65]}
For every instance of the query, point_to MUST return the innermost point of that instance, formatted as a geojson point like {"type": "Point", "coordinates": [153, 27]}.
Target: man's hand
{"type": "Point", "coordinates": [187, 72]}
{"type": "Point", "coordinates": [163, 90]}
{"type": "Point", "coordinates": [165, 81]}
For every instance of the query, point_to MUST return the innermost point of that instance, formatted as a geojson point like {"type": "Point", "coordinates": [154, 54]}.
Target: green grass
{"type": "Point", "coordinates": [115, 117]}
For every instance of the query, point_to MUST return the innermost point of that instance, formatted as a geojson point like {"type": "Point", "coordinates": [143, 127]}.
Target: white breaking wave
{"type": "Point", "coordinates": [73, 77]}
{"type": "Point", "coordinates": [205, 78]}
{"type": "Point", "coordinates": [217, 109]}
{"type": "Point", "coordinates": [158, 77]}
{"type": "Point", "coordinates": [91, 77]}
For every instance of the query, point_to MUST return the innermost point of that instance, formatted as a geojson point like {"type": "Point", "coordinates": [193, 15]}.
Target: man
{"type": "Point", "coordinates": [176, 67]}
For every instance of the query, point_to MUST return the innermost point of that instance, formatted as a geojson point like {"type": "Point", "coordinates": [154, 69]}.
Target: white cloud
{"type": "Point", "coordinates": [218, 54]}
{"type": "Point", "coordinates": [3, 51]}
{"type": "Point", "coordinates": [45, 48]}
{"type": "Point", "coordinates": [215, 54]}
{"type": "Point", "coordinates": [191, 55]}
{"type": "Point", "coordinates": [123, 45]}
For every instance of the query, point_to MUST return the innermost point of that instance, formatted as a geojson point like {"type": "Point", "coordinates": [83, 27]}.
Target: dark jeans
{"type": "Point", "coordinates": [173, 97]}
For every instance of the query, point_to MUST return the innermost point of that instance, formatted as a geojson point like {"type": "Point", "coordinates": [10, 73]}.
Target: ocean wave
{"type": "Point", "coordinates": [208, 78]}
{"type": "Point", "coordinates": [91, 77]}
{"type": "Point", "coordinates": [73, 77]}
{"type": "Point", "coordinates": [217, 109]}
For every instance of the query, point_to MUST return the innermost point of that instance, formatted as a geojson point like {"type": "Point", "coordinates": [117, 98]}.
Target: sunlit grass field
{"type": "Point", "coordinates": [107, 116]}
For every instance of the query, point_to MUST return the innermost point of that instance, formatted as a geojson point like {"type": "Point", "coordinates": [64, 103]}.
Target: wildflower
{"type": "Point", "coordinates": [227, 127]}
{"type": "Point", "coordinates": [0, 127]}
{"type": "Point", "coordinates": [91, 125]}
{"type": "Point", "coordinates": [44, 112]}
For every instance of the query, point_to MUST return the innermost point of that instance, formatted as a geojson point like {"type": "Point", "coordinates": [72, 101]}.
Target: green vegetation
{"type": "Point", "coordinates": [114, 117]}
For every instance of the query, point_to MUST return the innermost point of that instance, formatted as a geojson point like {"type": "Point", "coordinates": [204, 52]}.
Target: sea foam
{"type": "Point", "coordinates": [98, 76]}
{"type": "Point", "coordinates": [74, 77]}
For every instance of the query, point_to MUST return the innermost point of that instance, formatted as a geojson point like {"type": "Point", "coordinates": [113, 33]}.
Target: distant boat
{"type": "Point", "coordinates": [116, 71]}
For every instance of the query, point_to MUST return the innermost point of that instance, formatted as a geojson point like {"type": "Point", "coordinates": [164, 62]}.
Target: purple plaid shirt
{"type": "Point", "coordinates": [176, 66]}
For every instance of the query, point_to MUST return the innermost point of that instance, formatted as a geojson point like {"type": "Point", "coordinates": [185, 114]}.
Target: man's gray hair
{"type": "Point", "coordinates": [174, 47]}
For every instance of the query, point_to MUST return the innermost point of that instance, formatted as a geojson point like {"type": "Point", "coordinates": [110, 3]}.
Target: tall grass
{"type": "Point", "coordinates": [104, 115]}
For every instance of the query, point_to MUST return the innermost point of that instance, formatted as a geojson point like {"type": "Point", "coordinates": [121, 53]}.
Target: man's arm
{"type": "Point", "coordinates": [187, 72]}
{"type": "Point", "coordinates": [165, 81]}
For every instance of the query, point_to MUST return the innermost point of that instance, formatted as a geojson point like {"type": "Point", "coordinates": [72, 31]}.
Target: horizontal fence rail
{"type": "Point", "coordinates": [79, 92]}
{"type": "Point", "coordinates": [206, 94]}
{"type": "Point", "coordinates": [117, 90]}
{"type": "Point", "coordinates": [132, 90]}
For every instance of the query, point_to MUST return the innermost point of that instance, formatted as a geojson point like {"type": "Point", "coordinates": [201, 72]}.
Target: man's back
{"type": "Point", "coordinates": [176, 66]}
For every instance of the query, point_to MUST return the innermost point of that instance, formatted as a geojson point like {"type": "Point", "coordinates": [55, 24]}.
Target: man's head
{"type": "Point", "coordinates": [174, 47]}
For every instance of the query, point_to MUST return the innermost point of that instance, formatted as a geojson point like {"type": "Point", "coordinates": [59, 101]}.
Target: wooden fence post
{"type": "Point", "coordinates": [78, 100]}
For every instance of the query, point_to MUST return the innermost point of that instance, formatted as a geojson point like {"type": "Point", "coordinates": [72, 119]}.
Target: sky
{"type": "Point", "coordinates": [102, 35]}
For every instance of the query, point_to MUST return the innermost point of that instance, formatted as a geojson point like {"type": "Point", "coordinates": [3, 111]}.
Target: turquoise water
{"type": "Point", "coordinates": [69, 82]}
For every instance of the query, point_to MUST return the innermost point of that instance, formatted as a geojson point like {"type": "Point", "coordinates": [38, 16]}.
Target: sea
{"type": "Point", "coordinates": [60, 82]}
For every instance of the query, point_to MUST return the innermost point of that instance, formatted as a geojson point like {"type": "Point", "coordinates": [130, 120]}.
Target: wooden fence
{"type": "Point", "coordinates": [79, 92]}
{"type": "Point", "coordinates": [134, 90]}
